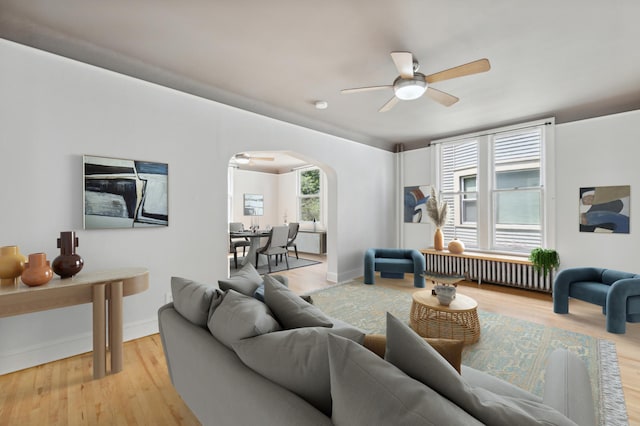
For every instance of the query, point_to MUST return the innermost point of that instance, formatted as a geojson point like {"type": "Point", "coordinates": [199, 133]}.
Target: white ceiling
{"type": "Point", "coordinates": [571, 59]}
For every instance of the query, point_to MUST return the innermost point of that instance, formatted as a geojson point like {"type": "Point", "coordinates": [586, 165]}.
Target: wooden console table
{"type": "Point", "coordinates": [91, 287]}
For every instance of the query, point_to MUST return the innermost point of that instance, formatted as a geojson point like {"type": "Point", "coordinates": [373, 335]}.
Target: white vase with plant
{"type": "Point", "coordinates": [437, 211]}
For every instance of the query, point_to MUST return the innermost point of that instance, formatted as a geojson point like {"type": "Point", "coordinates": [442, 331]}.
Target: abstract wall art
{"type": "Point", "coordinates": [253, 205]}
{"type": "Point", "coordinates": [121, 193]}
{"type": "Point", "coordinates": [415, 202]}
{"type": "Point", "coordinates": [605, 209]}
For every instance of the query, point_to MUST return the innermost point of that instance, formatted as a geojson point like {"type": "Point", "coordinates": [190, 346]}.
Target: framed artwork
{"type": "Point", "coordinates": [415, 203]}
{"type": "Point", "coordinates": [253, 205]}
{"type": "Point", "coordinates": [605, 209]}
{"type": "Point", "coordinates": [121, 193]}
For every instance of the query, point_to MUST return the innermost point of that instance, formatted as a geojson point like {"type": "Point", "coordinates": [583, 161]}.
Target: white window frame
{"type": "Point", "coordinates": [485, 185]}
{"type": "Point", "coordinates": [320, 196]}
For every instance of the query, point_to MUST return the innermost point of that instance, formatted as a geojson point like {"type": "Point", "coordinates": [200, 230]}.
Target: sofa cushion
{"type": "Point", "coordinates": [295, 359]}
{"type": "Point", "coordinates": [404, 347]}
{"type": "Point", "coordinates": [366, 390]}
{"type": "Point", "coordinates": [450, 349]}
{"type": "Point", "coordinates": [193, 300]}
{"type": "Point", "coordinates": [290, 309]}
{"type": "Point", "coordinates": [239, 317]}
{"type": "Point", "coordinates": [245, 281]}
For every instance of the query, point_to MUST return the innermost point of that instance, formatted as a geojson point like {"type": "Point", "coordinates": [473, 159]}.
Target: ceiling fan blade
{"type": "Point", "coordinates": [390, 104]}
{"type": "Point", "coordinates": [364, 89]}
{"type": "Point", "coordinates": [475, 67]}
{"type": "Point", "coordinates": [263, 158]}
{"type": "Point", "coordinates": [404, 63]}
{"type": "Point", "coordinates": [441, 97]}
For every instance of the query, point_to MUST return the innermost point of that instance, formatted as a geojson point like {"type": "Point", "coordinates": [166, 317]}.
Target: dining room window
{"type": "Point", "coordinates": [309, 195]}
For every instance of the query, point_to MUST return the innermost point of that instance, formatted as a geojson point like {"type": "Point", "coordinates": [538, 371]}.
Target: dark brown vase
{"type": "Point", "coordinates": [68, 263]}
{"type": "Point", "coordinates": [37, 270]}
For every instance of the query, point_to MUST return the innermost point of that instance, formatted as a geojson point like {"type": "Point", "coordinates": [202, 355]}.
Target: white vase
{"type": "Point", "coordinates": [445, 294]}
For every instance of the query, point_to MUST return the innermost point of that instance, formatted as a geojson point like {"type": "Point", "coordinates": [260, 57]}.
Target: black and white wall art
{"type": "Point", "coordinates": [121, 193]}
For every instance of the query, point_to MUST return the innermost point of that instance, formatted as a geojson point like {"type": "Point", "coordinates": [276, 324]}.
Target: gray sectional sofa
{"type": "Point", "coordinates": [237, 360]}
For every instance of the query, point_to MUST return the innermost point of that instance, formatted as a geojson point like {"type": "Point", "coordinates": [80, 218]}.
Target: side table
{"type": "Point", "coordinates": [101, 289]}
{"type": "Point", "coordinates": [457, 321]}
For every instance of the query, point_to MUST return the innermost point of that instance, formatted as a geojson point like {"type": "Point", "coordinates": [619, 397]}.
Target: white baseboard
{"type": "Point", "coordinates": [63, 348]}
{"type": "Point", "coordinates": [349, 275]}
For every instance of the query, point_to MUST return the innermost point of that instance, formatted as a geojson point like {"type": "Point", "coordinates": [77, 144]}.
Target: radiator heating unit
{"type": "Point", "coordinates": [503, 270]}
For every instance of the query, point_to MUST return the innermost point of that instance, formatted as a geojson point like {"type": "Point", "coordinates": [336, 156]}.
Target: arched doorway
{"type": "Point", "coordinates": [275, 178]}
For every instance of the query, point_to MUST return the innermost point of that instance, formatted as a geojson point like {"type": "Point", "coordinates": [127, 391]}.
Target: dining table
{"type": "Point", "coordinates": [254, 237]}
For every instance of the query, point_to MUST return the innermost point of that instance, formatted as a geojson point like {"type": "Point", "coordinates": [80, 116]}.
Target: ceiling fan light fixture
{"type": "Point", "coordinates": [410, 89]}
{"type": "Point", "coordinates": [242, 158]}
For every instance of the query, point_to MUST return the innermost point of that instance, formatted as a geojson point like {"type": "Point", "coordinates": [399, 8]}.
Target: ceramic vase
{"type": "Point", "coordinates": [11, 265]}
{"type": "Point", "coordinates": [69, 262]}
{"type": "Point", "coordinates": [438, 240]}
{"type": "Point", "coordinates": [456, 246]}
{"type": "Point", "coordinates": [37, 271]}
{"type": "Point", "coordinates": [445, 294]}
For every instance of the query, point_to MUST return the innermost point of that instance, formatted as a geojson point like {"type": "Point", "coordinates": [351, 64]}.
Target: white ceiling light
{"type": "Point", "coordinates": [409, 89]}
{"type": "Point", "coordinates": [321, 104]}
{"type": "Point", "coordinates": [242, 158]}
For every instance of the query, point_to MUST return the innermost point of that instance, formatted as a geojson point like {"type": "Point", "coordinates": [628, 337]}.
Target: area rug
{"type": "Point", "coordinates": [512, 349]}
{"type": "Point", "coordinates": [282, 266]}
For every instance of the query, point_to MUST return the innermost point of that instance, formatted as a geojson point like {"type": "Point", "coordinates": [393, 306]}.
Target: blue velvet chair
{"type": "Point", "coordinates": [617, 292]}
{"type": "Point", "coordinates": [394, 263]}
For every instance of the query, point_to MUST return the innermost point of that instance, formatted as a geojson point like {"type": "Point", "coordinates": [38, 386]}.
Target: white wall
{"type": "Point", "coordinates": [287, 184]}
{"type": "Point", "coordinates": [601, 151]}
{"type": "Point", "coordinates": [54, 110]}
{"type": "Point", "coordinates": [266, 184]}
{"type": "Point", "coordinates": [417, 170]}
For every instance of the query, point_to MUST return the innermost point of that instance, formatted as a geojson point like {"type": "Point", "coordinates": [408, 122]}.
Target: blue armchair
{"type": "Point", "coordinates": [393, 263]}
{"type": "Point", "coordinates": [617, 292]}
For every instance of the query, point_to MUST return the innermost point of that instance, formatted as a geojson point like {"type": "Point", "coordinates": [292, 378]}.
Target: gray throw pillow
{"type": "Point", "coordinates": [193, 300]}
{"type": "Point", "coordinates": [411, 354]}
{"type": "Point", "coordinates": [290, 309]}
{"type": "Point", "coordinates": [245, 281]}
{"type": "Point", "coordinates": [366, 390]}
{"type": "Point", "coordinates": [239, 317]}
{"type": "Point", "coordinates": [295, 359]}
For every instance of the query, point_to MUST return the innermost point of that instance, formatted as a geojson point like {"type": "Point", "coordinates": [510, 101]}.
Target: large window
{"type": "Point", "coordinates": [494, 185]}
{"type": "Point", "coordinates": [309, 205]}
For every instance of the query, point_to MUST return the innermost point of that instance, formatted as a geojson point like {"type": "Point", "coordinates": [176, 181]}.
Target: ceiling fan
{"type": "Point", "coordinates": [244, 158]}
{"type": "Point", "coordinates": [411, 84]}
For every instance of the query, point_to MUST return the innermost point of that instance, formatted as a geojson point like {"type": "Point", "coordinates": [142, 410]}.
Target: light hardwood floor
{"type": "Point", "coordinates": [64, 392]}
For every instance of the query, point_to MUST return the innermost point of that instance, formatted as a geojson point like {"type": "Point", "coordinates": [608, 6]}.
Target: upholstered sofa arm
{"type": "Point", "coordinates": [563, 281]}
{"type": "Point", "coordinates": [419, 262]}
{"type": "Point", "coordinates": [617, 297]}
{"type": "Point", "coordinates": [567, 387]}
{"type": "Point", "coordinates": [369, 266]}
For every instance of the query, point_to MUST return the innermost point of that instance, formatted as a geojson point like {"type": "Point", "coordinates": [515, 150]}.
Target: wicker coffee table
{"type": "Point", "coordinates": [457, 321]}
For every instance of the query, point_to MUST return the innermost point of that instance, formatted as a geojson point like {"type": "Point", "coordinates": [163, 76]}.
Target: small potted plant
{"type": "Point", "coordinates": [544, 260]}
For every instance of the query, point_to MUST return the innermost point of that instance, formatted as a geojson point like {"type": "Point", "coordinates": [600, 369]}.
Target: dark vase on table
{"type": "Point", "coordinates": [69, 262]}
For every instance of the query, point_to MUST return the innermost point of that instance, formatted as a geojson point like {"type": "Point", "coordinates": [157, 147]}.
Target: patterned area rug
{"type": "Point", "coordinates": [512, 349]}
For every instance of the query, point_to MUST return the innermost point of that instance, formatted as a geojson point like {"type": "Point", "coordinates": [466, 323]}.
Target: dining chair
{"type": "Point", "coordinates": [293, 234]}
{"type": "Point", "coordinates": [235, 242]}
{"type": "Point", "coordinates": [276, 245]}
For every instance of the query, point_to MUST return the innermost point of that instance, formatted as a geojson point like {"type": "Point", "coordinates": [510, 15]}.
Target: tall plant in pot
{"type": "Point", "coordinates": [544, 260]}
{"type": "Point", "coordinates": [437, 211]}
